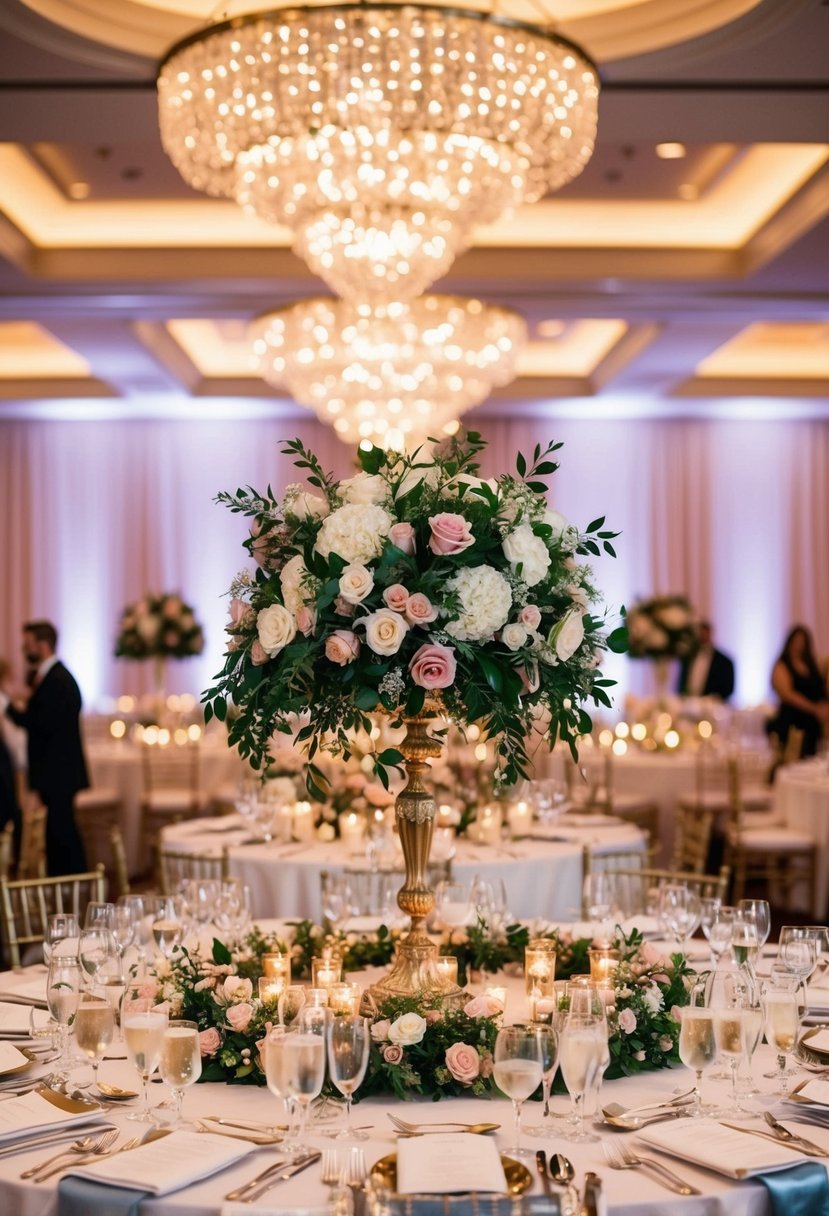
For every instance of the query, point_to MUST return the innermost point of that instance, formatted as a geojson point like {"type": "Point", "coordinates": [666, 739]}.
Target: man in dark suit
{"type": "Point", "coordinates": [707, 672]}
{"type": "Point", "coordinates": [56, 764]}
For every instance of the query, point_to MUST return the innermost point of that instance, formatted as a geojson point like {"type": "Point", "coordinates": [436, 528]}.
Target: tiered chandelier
{"type": "Point", "coordinates": [392, 375]}
{"type": "Point", "coordinates": [380, 134]}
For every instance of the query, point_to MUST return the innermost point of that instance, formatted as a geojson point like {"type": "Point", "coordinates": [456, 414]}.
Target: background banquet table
{"type": "Point", "coordinates": [543, 878]}
{"type": "Point", "coordinates": [629, 1193]}
{"type": "Point", "coordinates": [801, 799]}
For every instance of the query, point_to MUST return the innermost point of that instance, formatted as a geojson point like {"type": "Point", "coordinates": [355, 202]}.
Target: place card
{"type": "Point", "coordinates": [736, 1154]}
{"type": "Point", "coordinates": [456, 1162]}
{"type": "Point", "coordinates": [167, 1164]}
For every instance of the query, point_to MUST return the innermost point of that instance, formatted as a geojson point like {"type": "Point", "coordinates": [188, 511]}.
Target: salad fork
{"type": "Point", "coordinates": [620, 1157]}
{"type": "Point", "coordinates": [100, 1149]}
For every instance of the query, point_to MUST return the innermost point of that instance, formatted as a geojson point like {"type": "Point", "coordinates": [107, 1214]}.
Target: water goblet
{"type": "Point", "coordinates": [96, 948]}
{"type": "Point", "coordinates": [759, 912]}
{"type": "Point", "coordinates": [452, 904]}
{"type": "Point", "coordinates": [299, 1060]}
{"type": "Point", "coordinates": [716, 920]}
{"type": "Point", "coordinates": [94, 1028]}
{"type": "Point", "coordinates": [61, 928]}
{"type": "Point", "coordinates": [180, 1063]}
{"type": "Point", "coordinates": [143, 1024]}
{"type": "Point", "coordinates": [797, 950]}
{"type": "Point", "coordinates": [97, 914]}
{"type": "Point", "coordinates": [548, 1039]}
{"type": "Point", "coordinates": [599, 894]}
{"type": "Point", "coordinates": [168, 923]}
{"type": "Point", "coordinates": [518, 1072]}
{"type": "Point", "coordinates": [349, 1041]}
{"type": "Point", "coordinates": [582, 1055]}
{"type": "Point", "coordinates": [64, 984]}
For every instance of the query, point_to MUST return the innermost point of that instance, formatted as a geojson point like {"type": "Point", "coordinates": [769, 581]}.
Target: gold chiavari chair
{"type": "Point", "coordinates": [175, 867]}
{"type": "Point", "coordinates": [26, 905]}
{"type": "Point", "coordinates": [639, 885]}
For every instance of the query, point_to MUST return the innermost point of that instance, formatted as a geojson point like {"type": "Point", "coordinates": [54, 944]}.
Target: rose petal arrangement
{"type": "Point", "coordinates": [414, 579]}
{"type": "Point", "coordinates": [159, 626]}
{"type": "Point", "coordinates": [662, 627]}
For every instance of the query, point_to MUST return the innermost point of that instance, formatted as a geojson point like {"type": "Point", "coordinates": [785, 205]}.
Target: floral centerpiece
{"type": "Point", "coordinates": [414, 578]}
{"type": "Point", "coordinates": [159, 626]}
{"type": "Point", "coordinates": [663, 627]}
{"type": "Point", "coordinates": [418, 1046]}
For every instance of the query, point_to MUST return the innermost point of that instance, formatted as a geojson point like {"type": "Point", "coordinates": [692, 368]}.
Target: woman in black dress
{"type": "Point", "coordinates": [798, 683]}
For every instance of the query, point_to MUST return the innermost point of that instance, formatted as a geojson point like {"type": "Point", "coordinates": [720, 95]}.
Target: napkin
{"type": "Point", "coordinates": [815, 1090]}
{"type": "Point", "coordinates": [14, 1019]}
{"type": "Point", "coordinates": [818, 1041]}
{"type": "Point", "coordinates": [168, 1164]}
{"type": "Point", "coordinates": [43, 1111]}
{"type": "Point", "coordinates": [438, 1164]}
{"type": "Point", "coordinates": [11, 1058]}
{"type": "Point", "coordinates": [715, 1147]}
{"type": "Point", "coordinates": [802, 1190]}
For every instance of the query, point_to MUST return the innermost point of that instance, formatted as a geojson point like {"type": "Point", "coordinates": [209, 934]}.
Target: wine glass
{"type": "Point", "coordinates": [97, 915]}
{"type": "Point", "coordinates": [759, 912]}
{"type": "Point", "coordinates": [96, 949]}
{"type": "Point", "coordinates": [697, 1048]}
{"type": "Point", "coordinates": [139, 913]}
{"type": "Point", "coordinates": [716, 920]}
{"type": "Point", "coordinates": [336, 901]}
{"type": "Point", "coordinates": [273, 1063]}
{"type": "Point", "coordinates": [168, 923]}
{"type": "Point", "coordinates": [94, 1027]}
{"type": "Point", "coordinates": [63, 994]}
{"type": "Point", "coordinates": [63, 927]}
{"type": "Point", "coordinates": [582, 1054]}
{"type": "Point", "coordinates": [121, 924]}
{"type": "Point", "coordinates": [599, 896]}
{"type": "Point", "coordinates": [299, 1061]}
{"type": "Point", "coordinates": [679, 910]}
{"type": "Point", "coordinates": [745, 940]}
{"type": "Point", "coordinates": [349, 1041]}
{"type": "Point", "coordinates": [518, 1071]}
{"type": "Point", "coordinates": [203, 896]}
{"type": "Point", "coordinates": [797, 951]}
{"type": "Point", "coordinates": [143, 1024]}
{"type": "Point", "coordinates": [548, 1039]}
{"type": "Point", "coordinates": [782, 1021]}
{"type": "Point", "coordinates": [180, 1063]}
{"type": "Point", "coordinates": [452, 904]}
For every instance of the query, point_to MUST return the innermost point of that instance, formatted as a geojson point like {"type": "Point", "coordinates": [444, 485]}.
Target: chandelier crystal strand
{"type": "Point", "coordinates": [380, 135]}
{"type": "Point", "coordinates": [402, 371]}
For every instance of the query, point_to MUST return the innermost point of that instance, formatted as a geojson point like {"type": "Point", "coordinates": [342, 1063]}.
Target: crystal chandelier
{"type": "Point", "coordinates": [379, 134]}
{"type": "Point", "coordinates": [390, 374]}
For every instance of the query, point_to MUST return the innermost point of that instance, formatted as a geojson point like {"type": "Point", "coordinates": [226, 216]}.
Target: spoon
{"type": "Point", "coordinates": [678, 1100]}
{"type": "Point", "coordinates": [617, 1116]}
{"type": "Point", "coordinates": [115, 1093]}
{"type": "Point", "coordinates": [561, 1168]}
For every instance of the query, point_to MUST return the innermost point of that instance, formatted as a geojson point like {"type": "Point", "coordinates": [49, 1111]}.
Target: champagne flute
{"type": "Point", "coordinates": [731, 1031]}
{"type": "Point", "coordinates": [144, 1024]}
{"type": "Point", "coordinates": [518, 1072]}
{"type": "Point", "coordinates": [121, 924]}
{"type": "Point", "coordinates": [582, 1054]}
{"type": "Point", "coordinates": [180, 1063]}
{"type": "Point", "coordinates": [276, 1079]}
{"type": "Point", "coordinates": [349, 1040]}
{"type": "Point", "coordinates": [290, 1004]}
{"type": "Point", "coordinates": [302, 1068]}
{"type": "Point", "coordinates": [63, 994]}
{"type": "Point", "coordinates": [745, 940]}
{"type": "Point", "coordinates": [697, 1048]}
{"type": "Point", "coordinates": [548, 1039]}
{"type": "Point", "coordinates": [94, 1029]}
{"type": "Point", "coordinates": [139, 912]}
{"type": "Point", "coordinates": [782, 1020]}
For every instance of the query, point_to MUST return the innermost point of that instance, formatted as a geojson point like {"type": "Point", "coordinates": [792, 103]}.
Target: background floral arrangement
{"type": "Point", "coordinates": [159, 626]}
{"type": "Point", "coordinates": [417, 1047]}
{"type": "Point", "coordinates": [663, 627]}
{"type": "Point", "coordinates": [412, 579]}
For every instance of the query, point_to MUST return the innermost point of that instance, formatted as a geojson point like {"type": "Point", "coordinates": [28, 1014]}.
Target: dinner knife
{"type": "Point", "coordinates": [592, 1194]}
{"type": "Point", "coordinates": [541, 1166]}
{"type": "Point", "coordinates": [279, 1172]}
{"type": "Point", "coordinates": [796, 1143]}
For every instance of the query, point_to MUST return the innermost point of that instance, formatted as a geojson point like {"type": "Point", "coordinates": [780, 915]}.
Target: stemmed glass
{"type": "Point", "coordinates": [716, 920]}
{"type": "Point", "coordinates": [180, 1063]}
{"type": "Point", "coordinates": [94, 1028]}
{"type": "Point", "coordinates": [679, 910]}
{"type": "Point", "coordinates": [63, 927]}
{"type": "Point", "coordinates": [290, 1004]}
{"type": "Point", "coordinates": [582, 1056]}
{"type": "Point", "coordinates": [276, 1079]}
{"type": "Point", "coordinates": [737, 1028]}
{"type": "Point", "coordinates": [298, 1061]}
{"type": "Point", "coordinates": [96, 949]}
{"type": "Point", "coordinates": [452, 904]}
{"type": "Point", "coordinates": [548, 1039]}
{"type": "Point", "coordinates": [63, 993]}
{"type": "Point", "coordinates": [349, 1040]}
{"type": "Point", "coordinates": [97, 915]}
{"type": "Point", "coordinates": [144, 1024]}
{"type": "Point", "coordinates": [168, 923]}
{"type": "Point", "coordinates": [121, 924]}
{"type": "Point", "coordinates": [745, 940]}
{"type": "Point", "coordinates": [518, 1072]}
{"type": "Point", "coordinates": [797, 951]}
{"type": "Point", "coordinates": [599, 896]}
{"type": "Point", "coordinates": [697, 1048]}
{"type": "Point", "coordinates": [138, 911]}
{"type": "Point", "coordinates": [336, 901]}
{"type": "Point", "coordinates": [782, 1022]}
{"type": "Point", "coordinates": [489, 900]}
{"type": "Point", "coordinates": [203, 896]}
{"type": "Point", "coordinates": [758, 911]}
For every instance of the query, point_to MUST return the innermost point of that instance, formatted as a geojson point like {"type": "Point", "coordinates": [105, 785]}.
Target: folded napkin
{"type": "Point", "coordinates": [165, 1165]}
{"type": "Point", "coordinates": [14, 1018]}
{"type": "Point", "coordinates": [79, 1197]}
{"type": "Point", "coordinates": [816, 1090]}
{"type": "Point", "coordinates": [723, 1149]}
{"type": "Point", "coordinates": [802, 1190]}
{"type": "Point", "coordinates": [42, 1111]}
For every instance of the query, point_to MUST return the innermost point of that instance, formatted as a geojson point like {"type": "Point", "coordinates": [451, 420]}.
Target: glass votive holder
{"type": "Point", "coordinates": [543, 1009]}
{"type": "Point", "coordinates": [540, 967]}
{"type": "Point", "coordinates": [325, 972]}
{"type": "Point", "coordinates": [345, 998]}
{"type": "Point", "coordinates": [603, 963]}
{"type": "Point", "coordinates": [270, 989]}
{"type": "Point", "coordinates": [317, 998]}
{"type": "Point", "coordinates": [446, 966]}
{"type": "Point", "coordinates": [277, 967]}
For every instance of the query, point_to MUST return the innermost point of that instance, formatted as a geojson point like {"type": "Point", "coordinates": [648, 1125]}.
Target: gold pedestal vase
{"type": "Point", "coordinates": [414, 971]}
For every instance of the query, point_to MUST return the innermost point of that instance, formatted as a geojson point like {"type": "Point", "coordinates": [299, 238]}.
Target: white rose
{"type": "Point", "coordinates": [302, 505]}
{"type": "Point", "coordinates": [485, 601]}
{"type": "Point", "coordinates": [558, 522]}
{"type": "Point", "coordinates": [514, 636]}
{"type": "Point", "coordinates": [385, 631]}
{"type": "Point", "coordinates": [407, 1030]}
{"type": "Point", "coordinates": [276, 628]}
{"type": "Point", "coordinates": [355, 584]}
{"type": "Point", "coordinates": [292, 580]}
{"type": "Point", "coordinates": [567, 635]}
{"type": "Point", "coordinates": [356, 532]}
{"type": "Point", "coordinates": [364, 488]}
{"type": "Point", "coordinates": [523, 548]}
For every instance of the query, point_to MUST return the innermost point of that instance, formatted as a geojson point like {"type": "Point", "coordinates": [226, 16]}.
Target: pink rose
{"type": "Point", "coordinates": [676, 1013]}
{"type": "Point", "coordinates": [396, 597]}
{"type": "Point", "coordinates": [450, 534]}
{"type": "Point", "coordinates": [483, 1006]}
{"type": "Point", "coordinates": [420, 610]}
{"type": "Point", "coordinates": [306, 619]}
{"type": "Point", "coordinates": [260, 549]}
{"type": "Point", "coordinates": [530, 616]}
{"type": "Point", "coordinates": [627, 1021]}
{"type": "Point", "coordinates": [342, 646]}
{"type": "Point", "coordinates": [238, 1016]}
{"type": "Point", "coordinates": [343, 608]}
{"type": "Point", "coordinates": [258, 653]}
{"type": "Point", "coordinates": [463, 1062]}
{"type": "Point", "coordinates": [392, 1053]}
{"type": "Point", "coordinates": [402, 536]}
{"type": "Point", "coordinates": [433, 666]}
{"type": "Point", "coordinates": [241, 615]}
{"type": "Point", "coordinates": [380, 1030]}
{"type": "Point", "coordinates": [660, 978]}
{"type": "Point", "coordinates": [432, 1016]}
{"type": "Point", "coordinates": [209, 1041]}
{"type": "Point", "coordinates": [487, 1064]}
{"type": "Point", "coordinates": [146, 989]}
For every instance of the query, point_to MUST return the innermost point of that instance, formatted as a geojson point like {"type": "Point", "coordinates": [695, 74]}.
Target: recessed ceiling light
{"type": "Point", "coordinates": [550, 328]}
{"type": "Point", "coordinates": [79, 190]}
{"type": "Point", "coordinates": [670, 151]}
{"type": "Point", "coordinates": [688, 191]}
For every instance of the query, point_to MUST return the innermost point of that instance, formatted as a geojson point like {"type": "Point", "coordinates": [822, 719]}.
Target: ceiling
{"type": "Point", "coordinates": [666, 285]}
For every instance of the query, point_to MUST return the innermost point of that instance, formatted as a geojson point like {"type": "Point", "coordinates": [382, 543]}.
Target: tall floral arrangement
{"type": "Point", "coordinates": [413, 579]}
{"type": "Point", "coordinates": [662, 627]}
{"type": "Point", "coordinates": [159, 626]}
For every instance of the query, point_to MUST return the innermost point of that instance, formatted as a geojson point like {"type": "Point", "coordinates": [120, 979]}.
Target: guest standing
{"type": "Point", "coordinates": [56, 764]}
{"type": "Point", "coordinates": [799, 684]}
{"type": "Point", "coordinates": [9, 807]}
{"type": "Point", "coordinates": [708, 672]}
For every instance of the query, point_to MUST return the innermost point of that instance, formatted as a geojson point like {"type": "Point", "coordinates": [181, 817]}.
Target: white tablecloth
{"type": "Point", "coordinates": [542, 879]}
{"type": "Point", "coordinates": [801, 794]}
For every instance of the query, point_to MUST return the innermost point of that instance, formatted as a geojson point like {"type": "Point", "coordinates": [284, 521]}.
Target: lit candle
{"type": "Point", "coordinates": [520, 817]}
{"type": "Point", "coordinates": [325, 972]}
{"type": "Point", "coordinates": [447, 969]}
{"type": "Point", "coordinates": [317, 998]}
{"type": "Point", "coordinates": [489, 825]}
{"type": "Point", "coordinates": [351, 831]}
{"type": "Point", "coordinates": [603, 964]}
{"type": "Point", "coordinates": [345, 998]}
{"type": "Point", "coordinates": [277, 967]}
{"type": "Point", "coordinates": [540, 967]}
{"type": "Point", "coordinates": [303, 821]}
{"type": "Point", "coordinates": [270, 990]}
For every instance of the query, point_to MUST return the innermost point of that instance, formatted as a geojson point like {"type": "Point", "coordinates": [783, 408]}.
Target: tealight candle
{"type": "Point", "coordinates": [489, 825]}
{"type": "Point", "coordinates": [543, 1008]}
{"type": "Point", "coordinates": [447, 969]}
{"type": "Point", "coordinates": [603, 964]}
{"type": "Point", "coordinates": [345, 998]}
{"type": "Point", "coordinates": [277, 967]}
{"type": "Point", "coordinates": [539, 967]}
{"type": "Point", "coordinates": [325, 972]}
{"type": "Point", "coordinates": [270, 989]}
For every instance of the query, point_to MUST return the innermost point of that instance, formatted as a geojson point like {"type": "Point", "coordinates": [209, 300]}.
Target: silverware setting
{"type": "Point", "coordinates": [796, 1143]}
{"type": "Point", "coordinates": [279, 1172]}
{"type": "Point", "coordinates": [28, 1144]}
{"type": "Point", "coordinates": [621, 1157]}
{"type": "Point", "coordinates": [414, 1129]}
{"type": "Point", "coordinates": [74, 1155]}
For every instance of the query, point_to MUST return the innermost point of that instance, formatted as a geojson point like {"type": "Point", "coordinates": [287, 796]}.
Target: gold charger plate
{"type": "Point", "coordinates": [519, 1179]}
{"type": "Point", "coordinates": [805, 1051]}
{"type": "Point", "coordinates": [31, 1059]}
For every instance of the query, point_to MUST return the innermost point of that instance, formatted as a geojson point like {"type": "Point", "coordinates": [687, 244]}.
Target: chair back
{"type": "Point", "coordinates": [97, 813]}
{"type": "Point", "coordinates": [175, 867]}
{"type": "Point", "coordinates": [638, 885]}
{"type": "Point", "coordinates": [692, 839]}
{"type": "Point", "coordinates": [173, 767]}
{"type": "Point", "coordinates": [32, 863]}
{"type": "Point", "coordinates": [793, 748]}
{"type": "Point", "coordinates": [6, 851]}
{"type": "Point", "coordinates": [26, 905]}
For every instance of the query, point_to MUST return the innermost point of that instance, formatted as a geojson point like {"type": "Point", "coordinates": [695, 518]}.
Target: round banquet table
{"type": "Point", "coordinates": [628, 1193]}
{"type": "Point", "coordinates": [543, 878]}
{"type": "Point", "coordinates": [801, 800]}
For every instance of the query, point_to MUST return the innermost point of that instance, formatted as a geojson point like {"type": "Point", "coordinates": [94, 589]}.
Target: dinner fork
{"type": "Point", "coordinates": [86, 1144]}
{"type": "Point", "coordinates": [403, 1126]}
{"type": "Point", "coordinates": [355, 1175]}
{"type": "Point", "coordinates": [620, 1157]}
{"type": "Point", "coordinates": [100, 1149]}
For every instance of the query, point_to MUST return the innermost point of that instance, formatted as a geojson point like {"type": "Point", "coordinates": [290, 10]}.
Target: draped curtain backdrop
{"type": "Point", "coordinates": [95, 514]}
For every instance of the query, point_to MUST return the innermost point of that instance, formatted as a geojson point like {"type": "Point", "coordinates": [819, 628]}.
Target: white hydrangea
{"type": "Point", "coordinates": [652, 997]}
{"type": "Point", "coordinates": [356, 532]}
{"type": "Point", "coordinates": [292, 579]}
{"type": "Point", "coordinates": [365, 488]}
{"type": "Point", "coordinates": [523, 548]}
{"type": "Point", "coordinates": [485, 603]}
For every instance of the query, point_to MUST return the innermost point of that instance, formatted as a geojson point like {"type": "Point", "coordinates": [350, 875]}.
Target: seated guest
{"type": "Point", "coordinates": [707, 672]}
{"type": "Point", "coordinates": [797, 680]}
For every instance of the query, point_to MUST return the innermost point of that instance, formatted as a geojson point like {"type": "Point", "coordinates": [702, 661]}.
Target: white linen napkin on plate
{"type": "Point", "coordinates": [14, 1019]}
{"type": "Point", "coordinates": [167, 1164]}
{"type": "Point", "coordinates": [715, 1147]}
